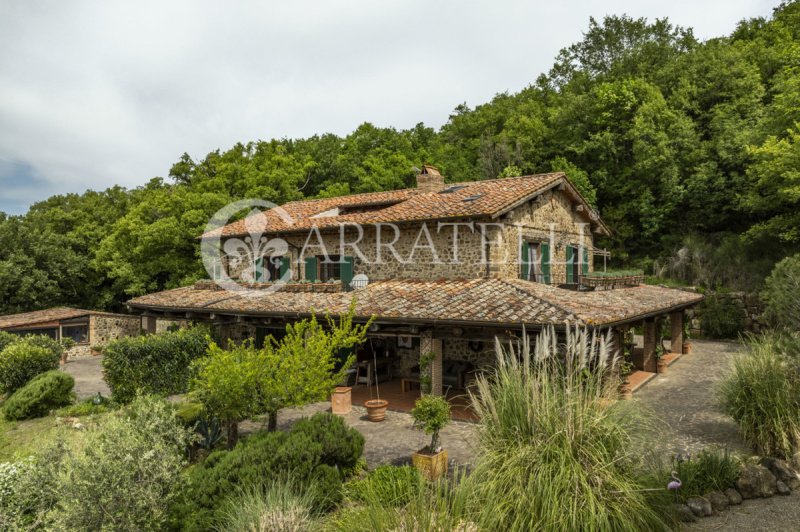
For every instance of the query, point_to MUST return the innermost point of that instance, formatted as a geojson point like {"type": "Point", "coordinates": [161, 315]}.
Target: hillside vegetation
{"type": "Point", "coordinates": [689, 149]}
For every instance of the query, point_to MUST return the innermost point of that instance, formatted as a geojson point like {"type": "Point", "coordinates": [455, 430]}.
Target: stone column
{"type": "Point", "coordinates": [676, 322]}
{"type": "Point", "coordinates": [649, 355]}
{"type": "Point", "coordinates": [428, 344]}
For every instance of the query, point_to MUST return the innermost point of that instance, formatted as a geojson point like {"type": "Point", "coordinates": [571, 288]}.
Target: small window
{"type": "Point", "coordinates": [329, 269]}
{"type": "Point", "coordinates": [78, 333]}
{"type": "Point", "coordinates": [534, 259]}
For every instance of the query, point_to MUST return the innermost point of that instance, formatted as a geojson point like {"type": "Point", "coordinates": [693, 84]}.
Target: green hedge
{"type": "Point", "coordinates": [152, 364]}
{"type": "Point", "coordinates": [42, 394]}
{"type": "Point", "coordinates": [782, 294]}
{"type": "Point", "coordinates": [24, 359]}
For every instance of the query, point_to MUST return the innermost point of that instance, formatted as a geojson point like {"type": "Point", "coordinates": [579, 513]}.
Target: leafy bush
{"type": "Point", "coordinates": [550, 436]}
{"type": "Point", "coordinates": [762, 394]}
{"type": "Point", "coordinates": [295, 456]}
{"type": "Point", "coordinates": [389, 485]}
{"type": "Point", "coordinates": [721, 317]}
{"type": "Point", "coordinates": [342, 446]}
{"type": "Point", "coordinates": [276, 508]}
{"type": "Point", "coordinates": [153, 364]}
{"type": "Point", "coordinates": [23, 360]}
{"type": "Point", "coordinates": [6, 339]}
{"type": "Point", "coordinates": [127, 474]}
{"type": "Point", "coordinates": [42, 394]}
{"type": "Point", "coordinates": [782, 294]}
{"type": "Point", "coordinates": [709, 470]}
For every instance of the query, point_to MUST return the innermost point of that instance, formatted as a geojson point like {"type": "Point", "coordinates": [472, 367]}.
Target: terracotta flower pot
{"type": "Point", "coordinates": [341, 401]}
{"type": "Point", "coordinates": [625, 391]}
{"type": "Point", "coordinates": [376, 409]}
{"type": "Point", "coordinates": [661, 365]}
{"type": "Point", "coordinates": [432, 466]}
{"type": "Point", "coordinates": [687, 348]}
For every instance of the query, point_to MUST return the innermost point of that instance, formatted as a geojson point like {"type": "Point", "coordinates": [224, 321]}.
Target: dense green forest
{"type": "Point", "coordinates": [690, 150]}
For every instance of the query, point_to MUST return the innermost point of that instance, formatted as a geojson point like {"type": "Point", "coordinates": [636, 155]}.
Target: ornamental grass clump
{"type": "Point", "coordinates": [556, 452]}
{"type": "Point", "coordinates": [762, 394]}
{"type": "Point", "coordinates": [278, 507]}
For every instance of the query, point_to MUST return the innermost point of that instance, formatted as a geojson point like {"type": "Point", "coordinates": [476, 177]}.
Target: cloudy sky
{"type": "Point", "coordinates": [94, 94]}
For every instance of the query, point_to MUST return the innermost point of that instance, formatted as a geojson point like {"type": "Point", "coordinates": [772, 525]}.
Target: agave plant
{"type": "Point", "coordinates": [210, 432]}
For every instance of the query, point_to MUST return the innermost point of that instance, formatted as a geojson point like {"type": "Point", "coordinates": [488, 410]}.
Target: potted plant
{"type": "Point", "coordinates": [687, 345]}
{"type": "Point", "coordinates": [431, 413]}
{"type": "Point", "coordinates": [341, 402]}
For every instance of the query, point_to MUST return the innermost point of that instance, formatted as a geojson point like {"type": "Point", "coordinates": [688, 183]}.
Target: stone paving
{"type": "Point", "coordinates": [88, 374]}
{"type": "Point", "coordinates": [683, 406]}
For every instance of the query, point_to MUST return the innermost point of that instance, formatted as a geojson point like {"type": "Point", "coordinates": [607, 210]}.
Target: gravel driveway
{"type": "Point", "coordinates": [88, 374]}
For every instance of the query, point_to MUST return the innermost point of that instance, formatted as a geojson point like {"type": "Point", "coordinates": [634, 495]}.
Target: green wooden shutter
{"type": "Point", "coordinates": [284, 268]}
{"type": "Point", "coordinates": [259, 266]}
{"type": "Point", "coordinates": [585, 265]}
{"type": "Point", "coordinates": [570, 261]}
{"type": "Point", "coordinates": [524, 265]}
{"type": "Point", "coordinates": [346, 270]}
{"type": "Point", "coordinates": [311, 269]}
{"type": "Point", "coordinates": [545, 258]}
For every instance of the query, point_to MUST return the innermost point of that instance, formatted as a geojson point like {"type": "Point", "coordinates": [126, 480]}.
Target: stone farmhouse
{"type": "Point", "coordinates": [444, 268]}
{"type": "Point", "coordinates": [89, 329]}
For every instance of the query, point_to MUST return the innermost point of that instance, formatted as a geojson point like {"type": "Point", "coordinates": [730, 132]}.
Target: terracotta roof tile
{"type": "Point", "coordinates": [44, 316]}
{"type": "Point", "coordinates": [473, 301]}
{"type": "Point", "coordinates": [487, 198]}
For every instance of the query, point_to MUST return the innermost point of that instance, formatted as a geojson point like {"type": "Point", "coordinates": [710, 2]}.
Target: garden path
{"type": "Point", "coordinates": [88, 374]}
{"type": "Point", "coordinates": [683, 404]}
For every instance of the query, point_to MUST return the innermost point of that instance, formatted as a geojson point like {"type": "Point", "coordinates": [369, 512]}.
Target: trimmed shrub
{"type": "Point", "coordinates": [42, 394]}
{"type": "Point", "coordinates": [388, 485]}
{"type": "Point", "coordinates": [23, 360]}
{"type": "Point", "coordinates": [782, 294]}
{"type": "Point", "coordinates": [153, 364]}
{"type": "Point", "coordinates": [6, 339]}
{"type": "Point", "coordinates": [306, 457]}
{"type": "Point", "coordinates": [342, 446]}
{"type": "Point", "coordinates": [762, 394]}
{"type": "Point", "coordinates": [721, 318]}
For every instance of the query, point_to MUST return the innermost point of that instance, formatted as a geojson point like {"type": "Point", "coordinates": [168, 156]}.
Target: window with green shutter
{"type": "Point", "coordinates": [311, 269]}
{"type": "Point", "coordinates": [524, 265]}
{"type": "Point", "coordinates": [284, 272]}
{"type": "Point", "coordinates": [585, 263]}
{"type": "Point", "coordinates": [545, 247]}
{"type": "Point", "coordinates": [572, 256]}
{"type": "Point", "coordinates": [347, 272]}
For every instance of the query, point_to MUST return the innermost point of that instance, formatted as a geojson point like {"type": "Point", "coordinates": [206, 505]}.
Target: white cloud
{"type": "Point", "coordinates": [97, 93]}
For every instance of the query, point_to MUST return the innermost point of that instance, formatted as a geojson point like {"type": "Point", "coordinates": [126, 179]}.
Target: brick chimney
{"type": "Point", "coordinates": [429, 179]}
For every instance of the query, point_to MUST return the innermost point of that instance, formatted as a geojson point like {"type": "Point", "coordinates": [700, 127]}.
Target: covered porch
{"type": "Point", "coordinates": [401, 400]}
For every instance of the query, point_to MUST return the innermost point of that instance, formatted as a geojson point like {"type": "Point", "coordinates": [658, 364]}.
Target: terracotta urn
{"type": "Point", "coordinates": [431, 465]}
{"type": "Point", "coordinates": [687, 348]}
{"type": "Point", "coordinates": [341, 400]}
{"type": "Point", "coordinates": [662, 365]}
{"type": "Point", "coordinates": [376, 409]}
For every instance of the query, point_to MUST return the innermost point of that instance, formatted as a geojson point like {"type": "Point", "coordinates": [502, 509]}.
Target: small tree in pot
{"type": "Point", "coordinates": [431, 414]}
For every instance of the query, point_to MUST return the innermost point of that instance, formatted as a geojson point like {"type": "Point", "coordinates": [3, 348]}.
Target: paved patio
{"type": "Point", "coordinates": [88, 374]}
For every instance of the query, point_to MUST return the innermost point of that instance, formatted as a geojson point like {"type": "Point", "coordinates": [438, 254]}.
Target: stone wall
{"type": "Point", "coordinates": [498, 242]}
{"type": "Point", "coordinates": [750, 303]}
{"type": "Point", "coordinates": [105, 328]}
{"type": "Point", "coordinates": [532, 221]}
{"type": "Point", "coordinates": [164, 325]}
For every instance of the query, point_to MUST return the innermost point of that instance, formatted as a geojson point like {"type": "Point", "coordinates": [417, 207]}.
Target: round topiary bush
{"type": "Point", "coordinates": [342, 446]}
{"type": "Point", "coordinates": [43, 393]}
{"type": "Point", "coordinates": [23, 360]}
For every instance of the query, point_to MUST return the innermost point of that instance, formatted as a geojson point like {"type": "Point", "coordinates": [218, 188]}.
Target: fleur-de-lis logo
{"type": "Point", "coordinates": [249, 257]}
